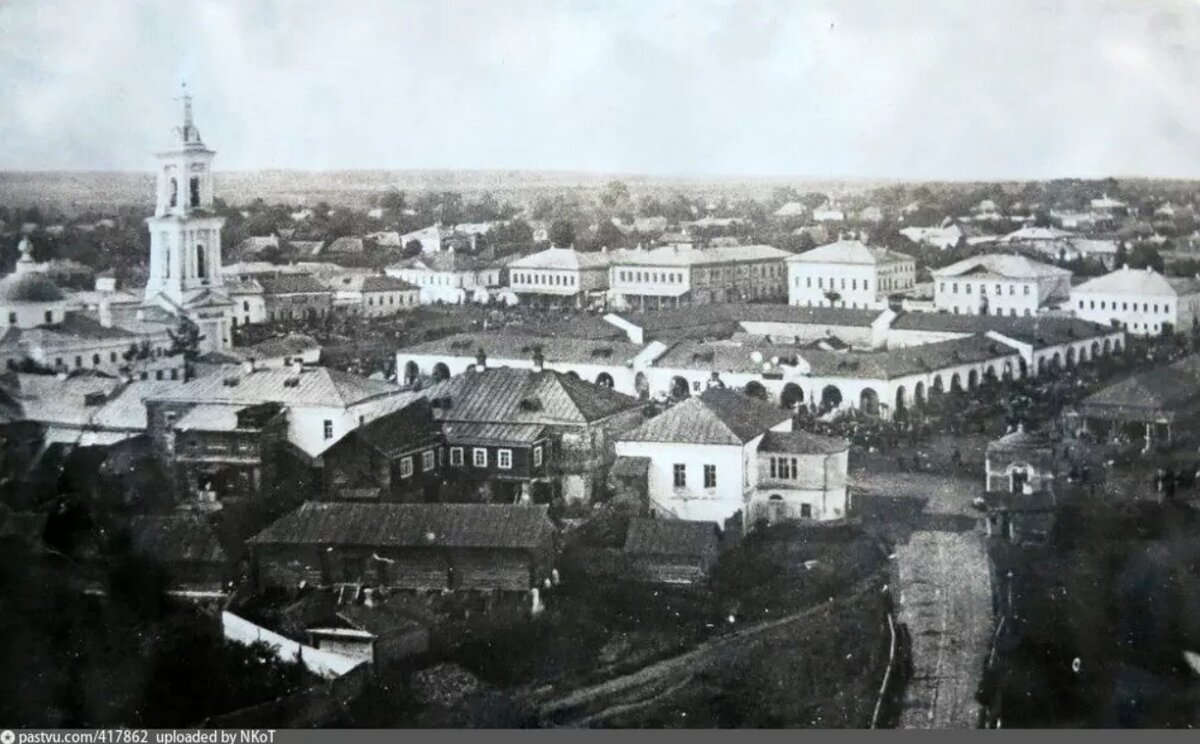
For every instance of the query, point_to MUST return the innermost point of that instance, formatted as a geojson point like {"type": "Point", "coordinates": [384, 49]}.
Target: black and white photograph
{"type": "Point", "coordinates": [597, 364]}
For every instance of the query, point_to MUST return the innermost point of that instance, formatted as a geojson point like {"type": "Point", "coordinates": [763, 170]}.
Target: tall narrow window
{"type": "Point", "coordinates": [710, 476]}
{"type": "Point", "coordinates": [200, 261]}
{"type": "Point", "coordinates": [174, 193]}
{"type": "Point", "coordinates": [195, 189]}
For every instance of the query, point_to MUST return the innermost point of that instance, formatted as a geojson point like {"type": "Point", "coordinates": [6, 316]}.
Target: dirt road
{"type": "Point", "coordinates": [944, 591]}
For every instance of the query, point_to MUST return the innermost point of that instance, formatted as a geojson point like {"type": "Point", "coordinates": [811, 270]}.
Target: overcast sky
{"type": "Point", "coordinates": [859, 88]}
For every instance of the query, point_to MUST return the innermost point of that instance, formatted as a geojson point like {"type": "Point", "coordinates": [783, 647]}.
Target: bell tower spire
{"type": "Point", "coordinates": [185, 231]}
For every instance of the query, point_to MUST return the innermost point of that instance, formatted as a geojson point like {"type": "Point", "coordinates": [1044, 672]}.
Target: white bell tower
{"type": "Point", "coordinates": [185, 234]}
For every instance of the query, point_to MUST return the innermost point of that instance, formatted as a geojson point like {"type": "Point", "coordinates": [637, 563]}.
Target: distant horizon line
{"type": "Point", "coordinates": [617, 175]}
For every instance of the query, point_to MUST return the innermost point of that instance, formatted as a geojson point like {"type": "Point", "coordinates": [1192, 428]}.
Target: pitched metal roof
{"type": "Point", "coordinates": [1041, 331]}
{"type": "Point", "coordinates": [849, 252]}
{"type": "Point", "coordinates": [385, 284]}
{"type": "Point", "coordinates": [504, 345]}
{"type": "Point", "coordinates": [691, 256]}
{"type": "Point", "coordinates": [1007, 265]}
{"type": "Point", "coordinates": [801, 443]}
{"type": "Point", "coordinates": [1140, 282]}
{"type": "Point", "coordinates": [564, 259]}
{"type": "Point", "coordinates": [523, 396]}
{"type": "Point", "coordinates": [292, 284]}
{"type": "Point", "coordinates": [399, 431]}
{"type": "Point", "coordinates": [411, 525]}
{"type": "Point", "coordinates": [717, 416]}
{"type": "Point", "coordinates": [490, 433]}
{"type": "Point", "coordinates": [314, 386]}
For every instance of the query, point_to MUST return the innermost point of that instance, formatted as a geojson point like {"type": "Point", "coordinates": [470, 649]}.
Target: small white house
{"type": "Point", "coordinates": [722, 453]}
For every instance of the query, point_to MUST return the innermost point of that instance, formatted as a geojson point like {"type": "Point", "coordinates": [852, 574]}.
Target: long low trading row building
{"type": "Point", "coordinates": [823, 358]}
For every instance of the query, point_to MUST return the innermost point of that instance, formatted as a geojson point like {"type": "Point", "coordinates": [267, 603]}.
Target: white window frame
{"type": "Point", "coordinates": [456, 457]}
{"type": "Point", "coordinates": [504, 459]}
{"type": "Point", "coordinates": [406, 466]}
{"type": "Point", "coordinates": [537, 456]}
{"type": "Point", "coordinates": [428, 461]}
{"type": "Point", "coordinates": [476, 460]}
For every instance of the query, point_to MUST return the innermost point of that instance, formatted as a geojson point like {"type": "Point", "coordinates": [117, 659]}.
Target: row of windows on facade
{"type": "Point", "coordinates": [1012, 288]}
{"type": "Point", "coordinates": [391, 300]}
{"type": "Point", "coordinates": [1166, 309]}
{"type": "Point", "coordinates": [551, 280]}
{"type": "Point", "coordinates": [677, 277]}
{"type": "Point", "coordinates": [59, 362]}
{"type": "Point", "coordinates": [866, 283]}
{"type": "Point", "coordinates": [841, 303]}
{"type": "Point", "coordinates": [997, 311]}
{"type": "Point", "coordinates": [680, 473]}
{"type": "Point", "coordinates": [479, 457]}
{"type": "Point", "coordinates": [456, 279]}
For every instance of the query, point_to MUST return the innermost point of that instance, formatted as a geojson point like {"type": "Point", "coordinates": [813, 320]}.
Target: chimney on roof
{"type": "Point", "coordinates": [539, 360]}
{"type": "Point", "coordinates": [297, 366]}
{"type": "Point", "coordinates": [1021, 428]}
{"type": "Point", "coordinates": [368, 597]}
{"type": "Point", "coordinates": [480, 360]}
{"type": "Point", "coordinates": [248, 366]}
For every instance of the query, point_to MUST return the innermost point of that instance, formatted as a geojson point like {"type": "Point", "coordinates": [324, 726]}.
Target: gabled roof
{"type": "Point", "coordinates": [1140, 282]}
{"type": "Point", "coordinates": [687, 255]}
{"type": "Point", "coordinates": [849, 252]}
{"type": "Point", "coordinates": [1172, 389]}
{"type": "Point", "coordinates": [718, 416]}
{"type": "Point", "coordinates": [1008, 265]}
{"type": "Point", "coordinates": [292, 284]}
{"type": "Point", "coordinates": [1035, 234]}
{"type": "Point", "coordinates": [563, 258]}
{"type": "Point", "coordinates": [386, 284]}
{"type": "Point", "coordinates": [507, 395]}
{"type": "Point", "coordinates": [411, 525]}
{"type": "Point", "coordinates": [315, 386]}
{"type": "Point", "coordinates": [801, 443]}
{"type": "Point", "coordinates": [399, 431]}
{"type": "Point", "coordinates": [791, 209]}
{"type": "Point", "coordinates": [345, 245]}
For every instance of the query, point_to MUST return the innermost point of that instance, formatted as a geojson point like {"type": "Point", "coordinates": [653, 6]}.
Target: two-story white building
{"type": "Point", "coordinates": [451, 277]}
{"type": "Point", "coordinates": [848, 273]}
{"type": "Point", "coordinates": [1140, 301]}
{"type": "Point", "coordinates": [999, 284]}
{"type": "Point", "coordinates": [720, 454]}
{"type": "Point", "coordinates": [323, 405]}
{"type": "Point", "coordinates": [676, 275]}
{"type": "Point", "coordinates": [558, 276]}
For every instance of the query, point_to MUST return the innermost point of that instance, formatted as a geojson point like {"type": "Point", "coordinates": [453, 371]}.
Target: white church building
{"type": "Point", "coordinates": [185, 241]}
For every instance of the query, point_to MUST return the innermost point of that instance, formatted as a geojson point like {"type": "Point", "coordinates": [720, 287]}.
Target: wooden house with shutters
{"type": "Point", "coordinates": [407, 547]}
{"type": "Point", "coordinates": [397, 457]}
{"type": "Point", "coordinates": [520, 435]}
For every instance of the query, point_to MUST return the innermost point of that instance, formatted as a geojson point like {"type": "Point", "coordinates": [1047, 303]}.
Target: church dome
{"type": "Point", "coordinates": [28, 288]}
